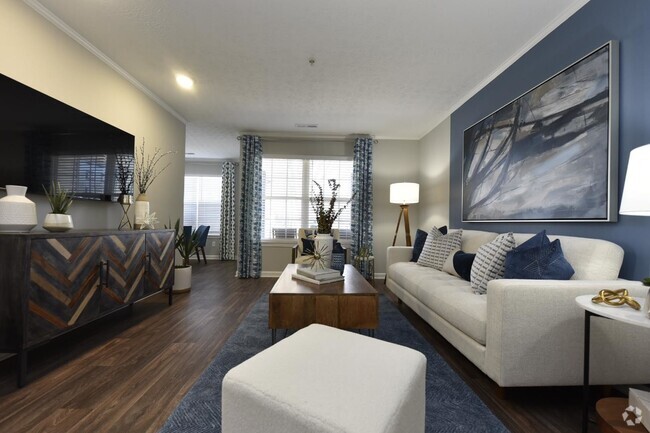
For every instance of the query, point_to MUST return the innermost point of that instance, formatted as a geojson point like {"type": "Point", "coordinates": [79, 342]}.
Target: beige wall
{"type": "Point", "coordinates": [36, 53]}
{"type": "Point", "coordinates": [394, 161]}
{"type": "Point", "coordinates": [434, 177]}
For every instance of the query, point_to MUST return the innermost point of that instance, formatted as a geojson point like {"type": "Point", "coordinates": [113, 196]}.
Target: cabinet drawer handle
{"type": "Point", "coordinates": [103, 282]}
{"type": "Point", "coordinates": [148, 259]}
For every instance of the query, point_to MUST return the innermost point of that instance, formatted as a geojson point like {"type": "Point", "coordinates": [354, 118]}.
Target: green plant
{"type": "Point", "coordinates": [145, 167]}
{"type": "Point", "coordinates": [646, 281]}
{"type": "Point", "coordinates": [184, 244]}
{"type": "Point", "coordinates": [325, 218]}
{"type": "Point", "coordinates": [59, 198]}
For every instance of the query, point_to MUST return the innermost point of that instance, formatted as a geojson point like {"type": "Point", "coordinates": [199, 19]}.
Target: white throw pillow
{"type": "Point", "coordinates": [489, 263]}
{"type": "Point", "coordinates": [437, 248]}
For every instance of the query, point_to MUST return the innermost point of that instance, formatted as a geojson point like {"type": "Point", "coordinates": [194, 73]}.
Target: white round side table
{"type": "Point", "coordinates": [624, 314]}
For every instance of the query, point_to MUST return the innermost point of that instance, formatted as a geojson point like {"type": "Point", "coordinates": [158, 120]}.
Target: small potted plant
{"type": "Point", "coordinates": [60, 200]}
{"type": "Point", "coordinates": [185, 243]}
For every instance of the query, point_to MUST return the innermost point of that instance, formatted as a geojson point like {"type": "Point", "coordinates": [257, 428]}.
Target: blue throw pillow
{"type": "Point", "coordinates": [420, 239]}
{"type": "Point", "coordinates": [463, 264]}
{"type": "Point", "coordinates": [307, 247]}
{"type": "Point", "coordinates": [537, 241]}
{"type": "Point", "coordinates": [538, 260]}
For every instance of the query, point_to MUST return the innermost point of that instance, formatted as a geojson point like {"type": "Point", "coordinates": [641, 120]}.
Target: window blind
{"type": "Point", "coordinates": [202, 202]}
{"type": "Point", "coordinates": [288, 184]}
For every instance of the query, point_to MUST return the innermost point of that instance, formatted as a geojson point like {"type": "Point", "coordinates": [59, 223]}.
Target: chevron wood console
{"type": "Point", "coordinates": [51, 283]}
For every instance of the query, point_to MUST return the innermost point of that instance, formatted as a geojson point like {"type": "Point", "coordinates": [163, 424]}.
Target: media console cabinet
{"type": "Point", "coordinates": [51, 283]}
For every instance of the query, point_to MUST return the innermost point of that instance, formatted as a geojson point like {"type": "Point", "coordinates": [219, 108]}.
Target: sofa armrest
{"type": "Point", "coordinates": [398, 254]}
{"type": "Point", "coordinates": [535, 328]}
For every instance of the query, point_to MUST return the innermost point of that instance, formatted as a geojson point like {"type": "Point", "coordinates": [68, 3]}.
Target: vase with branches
{"type": "Point", "coordinates": [325, 217]}
{"type": "Point", "coordinates": [146, 169]}
{"type": "Point", "coordinates": [124, 163]}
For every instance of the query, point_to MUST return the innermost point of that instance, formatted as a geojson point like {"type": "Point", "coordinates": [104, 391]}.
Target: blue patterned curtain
{"type": "Point", "coordinates": [362, 203]}
{"type": "Point", "coordinates": [227, 245]}
{"type": "Point", "coordinates": [249, 264]}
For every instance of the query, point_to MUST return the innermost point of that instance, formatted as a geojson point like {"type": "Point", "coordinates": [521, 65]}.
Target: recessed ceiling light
{"type": "Point", "coordinates": [184, 81]}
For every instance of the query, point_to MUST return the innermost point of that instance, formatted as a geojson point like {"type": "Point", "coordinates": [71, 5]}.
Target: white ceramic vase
{"type": "Point", "coordinates": [182, 279]}
{"type": "Point", "coordinates": [57, 222]}
{"type": "Point", "coordinates": [141, 210]}
{"type": "Point", "coordinates": [324, 243]}
{"type": "Point", "coordinates": [17, 212]}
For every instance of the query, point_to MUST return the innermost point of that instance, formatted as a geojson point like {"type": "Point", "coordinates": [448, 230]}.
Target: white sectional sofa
{"type": "Point", "coordinates": [529, 332]}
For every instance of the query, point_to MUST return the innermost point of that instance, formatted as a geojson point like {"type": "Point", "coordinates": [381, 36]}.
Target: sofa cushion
{"type": "Point", "coordinates": [474, 239]}
{"type": "Point", "coordinates": [420, 239]}
{"type": "Point", "coordinates": [437, 248]}
{"type": "Point", "coordinates": [539, 259]}
{"type": "Point", "coordinates": [489, 263]}
{"type": "Point", "coordinates": [448, 296]}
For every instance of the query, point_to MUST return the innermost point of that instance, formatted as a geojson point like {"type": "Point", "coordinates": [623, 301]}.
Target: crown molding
{"type": "Point", "coordinates": [48, 15]}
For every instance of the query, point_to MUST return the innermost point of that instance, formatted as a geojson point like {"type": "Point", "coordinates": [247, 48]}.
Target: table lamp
{"type": "Point", "coordinates": [636, 196]}
{"type": "Point", "coordinates": [404, 193]}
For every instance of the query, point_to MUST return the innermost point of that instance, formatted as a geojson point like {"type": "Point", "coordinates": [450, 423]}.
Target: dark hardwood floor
{"type": "Point", "coordinates": [127, 372]}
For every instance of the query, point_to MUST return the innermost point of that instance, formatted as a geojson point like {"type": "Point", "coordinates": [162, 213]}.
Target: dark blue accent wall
{"type": "Point", "coordinates": [596, 23]}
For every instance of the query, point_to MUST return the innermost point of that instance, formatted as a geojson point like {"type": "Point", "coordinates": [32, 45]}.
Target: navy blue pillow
{"type": "Point", "coordinates": [420, 239]}
{"type": "Point", "coordinates": [540, 260]}
{"type": "Point", "coordinates": [463, 264]}
{"type": "Point", "coordinates": [307, 247]}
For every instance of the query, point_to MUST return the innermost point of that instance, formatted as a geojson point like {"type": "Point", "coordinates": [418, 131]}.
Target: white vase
{"type": "Point", "coordinates": [57, 222]}
{"type": "Point", "coordinates": [17, 212]}
{"type": "Point", "coordinates": [182, 279]}
{"type": "Point", "coordinates": [324, 243]}
{"type": "Point", "coordinates": [141, 210]}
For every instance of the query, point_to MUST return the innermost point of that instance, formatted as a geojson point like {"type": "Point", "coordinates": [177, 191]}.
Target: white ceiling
{"type": "Point", "coordinates": [393, 69]}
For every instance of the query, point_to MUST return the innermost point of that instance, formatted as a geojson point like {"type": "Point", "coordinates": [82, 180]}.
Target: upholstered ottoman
{"type": "Point", "coordinates": [322, 379]}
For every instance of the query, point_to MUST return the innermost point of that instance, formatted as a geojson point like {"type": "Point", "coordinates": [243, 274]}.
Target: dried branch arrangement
{"type": "Point", "coordinates": [145, 171]}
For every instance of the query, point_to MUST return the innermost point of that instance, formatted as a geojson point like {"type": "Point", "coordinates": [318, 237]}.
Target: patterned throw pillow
{"type": "Point", "coordinates": [420, 239]}
{"type": "Point", "coordinates": [489, 263]}
{"type": "Point", "coordinates": [538, 259]}
{"type": "Point", "coordinates": [437, 248]}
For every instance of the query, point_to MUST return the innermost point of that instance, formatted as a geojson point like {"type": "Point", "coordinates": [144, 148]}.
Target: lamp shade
{"type": "Point", "coordinates": [636, 192]}
{"type": "Point", "coordinates": [404, 193]}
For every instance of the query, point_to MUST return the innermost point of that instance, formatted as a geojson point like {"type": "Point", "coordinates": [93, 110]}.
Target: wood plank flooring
{"type": "Point", "coordinates": [128, 372]}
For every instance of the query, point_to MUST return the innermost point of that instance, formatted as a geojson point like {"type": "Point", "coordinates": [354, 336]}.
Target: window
{"type": "Point", "coordinates": [288, 183]}
{"type": "Point", "coordinates": [202, 202]}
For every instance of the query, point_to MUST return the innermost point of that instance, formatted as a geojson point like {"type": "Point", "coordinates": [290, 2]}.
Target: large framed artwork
{"type": "Point", "coordinates": [552, 153]}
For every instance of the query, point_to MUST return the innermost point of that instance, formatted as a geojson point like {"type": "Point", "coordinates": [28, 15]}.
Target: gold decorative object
{"type": "Point", "coordinates": [615, 298]}
{"type": "Point", "coordinates": [317, 259]}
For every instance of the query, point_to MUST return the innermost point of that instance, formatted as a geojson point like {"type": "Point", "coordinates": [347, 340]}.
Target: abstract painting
{"type": "Point", "coordinates": [549, 155]}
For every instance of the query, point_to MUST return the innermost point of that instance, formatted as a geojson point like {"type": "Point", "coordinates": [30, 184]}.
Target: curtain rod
{"type": "Point", "coordinates": [331, 140]}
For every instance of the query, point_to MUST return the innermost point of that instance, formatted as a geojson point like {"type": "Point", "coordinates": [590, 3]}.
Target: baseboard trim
{"type": "Point", "coordinates": [271, 274]}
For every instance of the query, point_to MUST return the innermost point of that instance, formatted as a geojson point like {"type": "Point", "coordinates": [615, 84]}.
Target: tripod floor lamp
{"type": "Point", "coordinates": [404, 193]}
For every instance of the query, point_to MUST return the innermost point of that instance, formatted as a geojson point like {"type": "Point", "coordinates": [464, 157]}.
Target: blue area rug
{"type": "Point", "coordinates": [451, 405]}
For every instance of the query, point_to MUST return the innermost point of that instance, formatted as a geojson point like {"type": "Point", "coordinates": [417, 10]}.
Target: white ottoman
{"type": "Point", "coordinates": [322, 379]}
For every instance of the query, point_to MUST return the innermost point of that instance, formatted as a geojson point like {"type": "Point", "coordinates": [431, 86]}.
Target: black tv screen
{"type": "Point", "coordinates": [44, 140]}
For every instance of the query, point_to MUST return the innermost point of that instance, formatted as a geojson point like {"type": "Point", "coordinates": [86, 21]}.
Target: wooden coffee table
{"type": "Point", "coordinates": [349, 304]}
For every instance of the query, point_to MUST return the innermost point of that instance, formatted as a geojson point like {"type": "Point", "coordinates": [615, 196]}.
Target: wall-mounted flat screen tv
{"type": "Point", "coordinates": [44, 140]}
